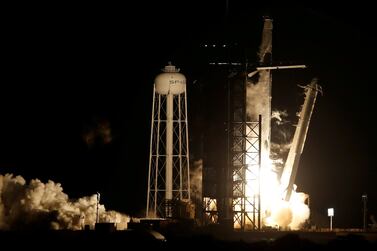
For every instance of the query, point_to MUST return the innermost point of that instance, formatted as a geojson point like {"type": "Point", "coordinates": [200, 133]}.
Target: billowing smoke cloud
{"type": "Point", "coordinates": [282, 129]}
{"type": "Point", "coordinates": [279, 116]}
{"type": "Point", "coordinates": [196, 174]}
{"type": "Point", "coordinates": [258, 99]}
{"type": "Point", "coordinates": [98, 132]}
{"type": "Point", "coordinates": [300, 210]}
{"type": "Point", "coordinates": [281, 138]}
{"type": "Point", "coordinates": [292, 214]}
{"type": "Point", "coordinates": [44, 205]}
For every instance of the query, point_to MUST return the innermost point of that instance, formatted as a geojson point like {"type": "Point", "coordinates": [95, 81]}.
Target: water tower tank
{"type": "Point", "coordinates": [170, 81]}
{"type": "Point", "coordinates": [169, 170]}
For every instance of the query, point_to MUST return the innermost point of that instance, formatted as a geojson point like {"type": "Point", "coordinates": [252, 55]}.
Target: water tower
{"type": "Point", "coordinates": [168, 178]}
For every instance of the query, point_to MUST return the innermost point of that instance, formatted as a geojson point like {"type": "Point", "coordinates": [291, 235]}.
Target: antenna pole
{"type": "Point", "coordinates": [98, 198]}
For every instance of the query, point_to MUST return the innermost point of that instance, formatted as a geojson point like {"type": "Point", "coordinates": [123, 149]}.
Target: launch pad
{"type": "Point", "coordinates": [228, 240]}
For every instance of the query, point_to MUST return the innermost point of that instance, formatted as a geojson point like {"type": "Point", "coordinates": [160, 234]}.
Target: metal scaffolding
{"type": "Point", "coordinates": [210, 211]}
{"type": "Point", "coordinates": [245, 162]}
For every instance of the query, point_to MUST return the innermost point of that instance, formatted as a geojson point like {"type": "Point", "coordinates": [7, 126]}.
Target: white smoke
{"type": "Point", "coordinates": [280, 148]}
{"type": "Point", "coordinates": [45, 205]}
{"type": "Point", "coordinates": [281, 129]}
{"type": "Point", "coordinates": [99, 132]}
{"type": "Point", "coordinates": [300, 210]}
{"type": "Point", "coordinates": [196, 174]}
{"type": "Point", "coordinates": [280, 116]}
{"type": "Point", "coordinates": [281, 138]}
{"type": "Point", "coordinates": [258, 101]}
{"type": "Point", "coordinates": [196, 177]}
{"type": "Point", "coordinates": [258, 98]}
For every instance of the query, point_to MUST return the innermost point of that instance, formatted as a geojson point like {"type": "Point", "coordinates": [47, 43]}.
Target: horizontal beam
{"type": "Point", "coordinates": [281, 67]}
{"type": "Point", "coordinates": [302, 66]}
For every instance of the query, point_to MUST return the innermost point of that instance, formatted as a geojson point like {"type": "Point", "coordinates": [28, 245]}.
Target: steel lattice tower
{"type": "Point", "coordinates": [245, 162]}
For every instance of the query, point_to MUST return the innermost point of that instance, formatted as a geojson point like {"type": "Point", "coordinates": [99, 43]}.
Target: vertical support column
{"type": "Point", "coordinates": [180, 147]}
{"type": "Point", "coordinates": [157, 156]}
{"type": "Point", "coordinates": [259, 173]}
{"type": "Point", "coordinates": [245, 157]}
{"type": "Point", "coordinates": [330, 223]}
{"type": "Point", "coordinates": [365, 198]}
{"type": "Point", "coordinates": [169, 154]}
{"type": "Point", "coordinates": [187, 149]}
{"type": "Point", "coordinates": [150, 154]}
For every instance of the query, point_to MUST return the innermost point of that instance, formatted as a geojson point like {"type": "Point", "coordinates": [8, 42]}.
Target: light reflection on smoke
{"type": "Point", "coordinates": [44, 205]}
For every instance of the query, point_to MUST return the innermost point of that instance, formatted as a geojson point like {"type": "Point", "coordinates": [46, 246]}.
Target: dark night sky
{"type": "Point", "coordinates": [68, 70]}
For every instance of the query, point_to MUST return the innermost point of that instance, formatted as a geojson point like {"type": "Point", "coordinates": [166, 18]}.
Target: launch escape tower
{"type": "Point", "coordinates": [168, 177]}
